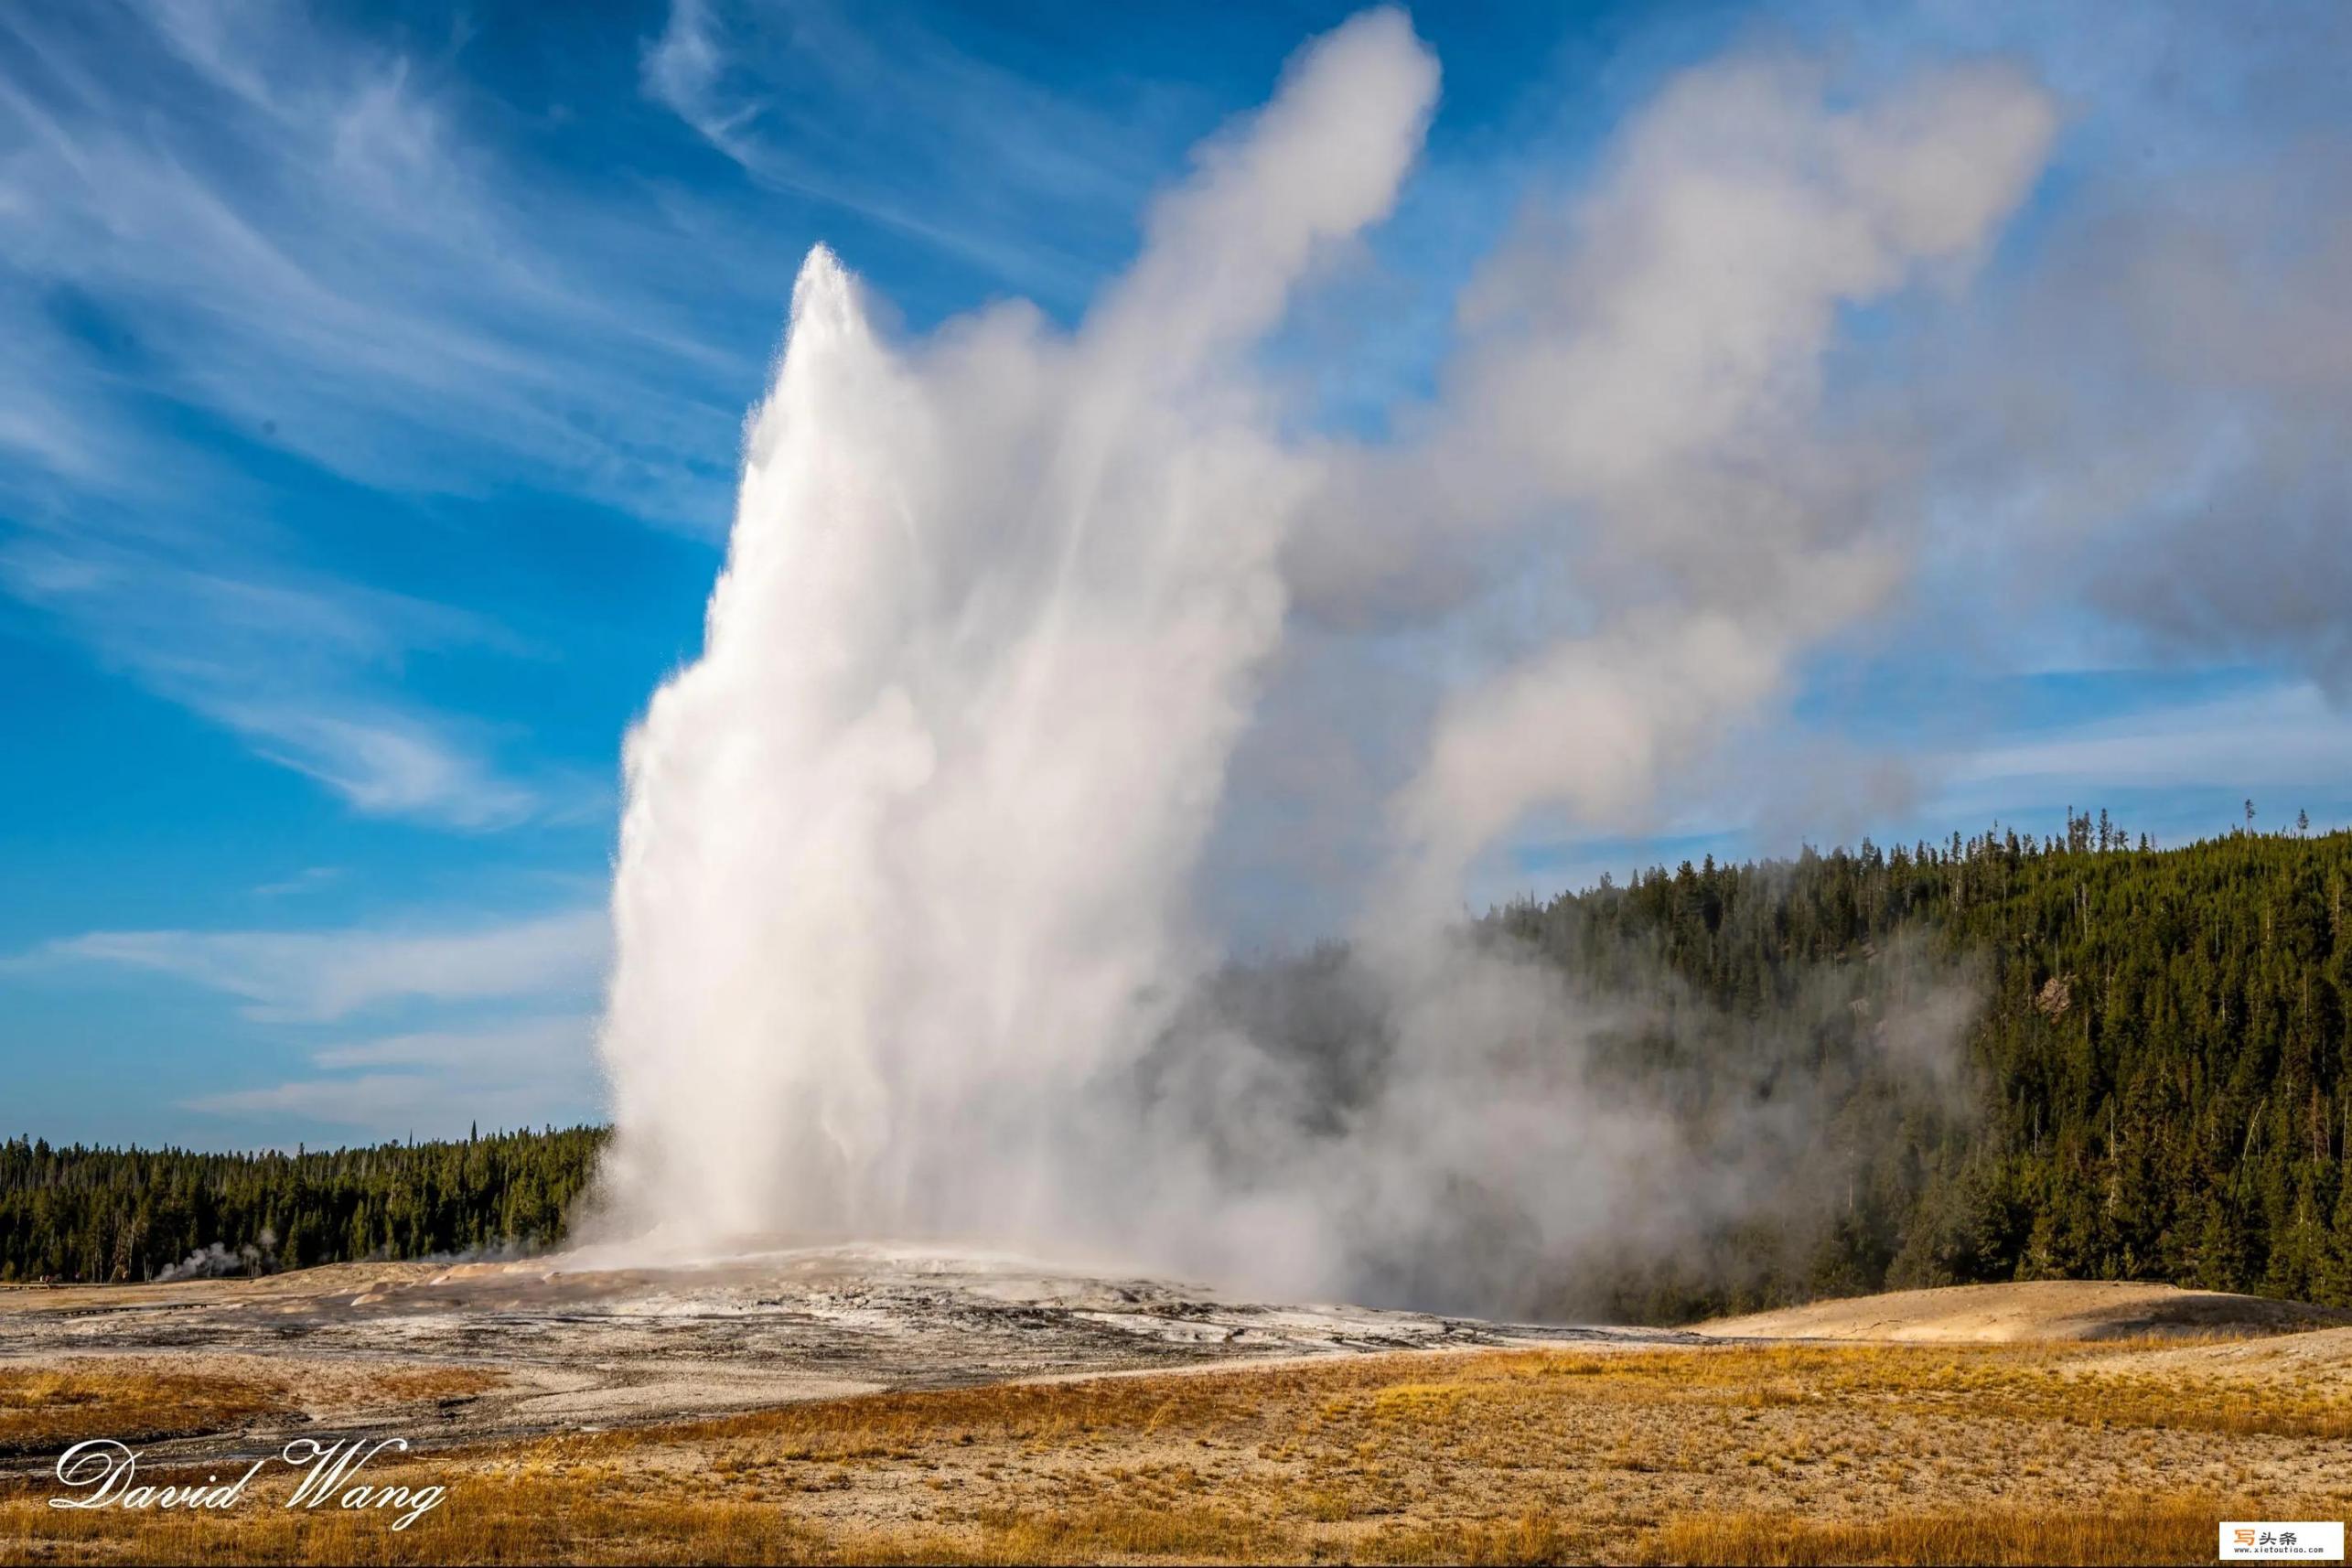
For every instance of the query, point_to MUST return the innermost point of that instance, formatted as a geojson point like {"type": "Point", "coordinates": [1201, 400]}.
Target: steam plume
{"type": "Point", "coordinates": [905, 904]}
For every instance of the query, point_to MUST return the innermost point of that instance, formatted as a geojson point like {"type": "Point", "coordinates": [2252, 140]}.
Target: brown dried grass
{"type": "Point", "coordinates": [1738, 1454]}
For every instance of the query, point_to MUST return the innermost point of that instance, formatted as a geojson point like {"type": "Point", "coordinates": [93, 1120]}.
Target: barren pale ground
{"type": "Point", "coordinates": [864, 1404]}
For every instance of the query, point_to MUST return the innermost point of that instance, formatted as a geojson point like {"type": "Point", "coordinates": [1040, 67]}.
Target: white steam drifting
{"type": "Point", "coordinates": [906, 884]}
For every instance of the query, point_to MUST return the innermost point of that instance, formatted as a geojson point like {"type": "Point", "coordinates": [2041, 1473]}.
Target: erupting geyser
{"type": "Point", "coordinates": [905, 898]}
{"type": "Point", "coordinates": [907, 852]}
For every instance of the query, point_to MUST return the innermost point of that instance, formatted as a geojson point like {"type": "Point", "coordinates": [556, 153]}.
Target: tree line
{"type": "Point", "coordinates": [77, 1213]}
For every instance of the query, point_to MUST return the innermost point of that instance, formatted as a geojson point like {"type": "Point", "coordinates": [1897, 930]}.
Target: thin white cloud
{"type": "Point", "coordinates": [392, 1104]}
{"type": "Point", "coordinates": [436, 1082]}
{"type": "Point", "coordinates": [304, 881]}
{"type": "Point", "coordinates": [873, 115]}
{"type": "Point", "coordinates": [562, 1041]}
{"type": "Point", "coordinates": [385, 765]}
{"type": "Point", "coordinates": [679, 69]}
{"type": "Point", "coordinates": [302, 670]}
{"type": "Point", "coordinates": [2288, 737]}
{"type": "Point", "coordinates": [323, 976]}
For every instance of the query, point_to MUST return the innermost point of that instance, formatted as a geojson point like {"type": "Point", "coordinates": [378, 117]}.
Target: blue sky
{"type": "Point", "coordinates": [374, 377]}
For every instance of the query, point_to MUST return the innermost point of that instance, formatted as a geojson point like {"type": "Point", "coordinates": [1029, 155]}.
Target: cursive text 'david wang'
{"type": "Point", "coordinates": [102, 1473]}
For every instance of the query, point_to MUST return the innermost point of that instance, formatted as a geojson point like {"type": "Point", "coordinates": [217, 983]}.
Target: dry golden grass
{"type": "Point", "coordinates": [1740, 1453]}
{"type": "Point", "coordinates": [46, 1410]}
{"type": "Point", "coordinates": [2173, 1531]}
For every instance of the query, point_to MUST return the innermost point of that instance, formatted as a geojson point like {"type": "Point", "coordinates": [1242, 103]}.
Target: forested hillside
{"type": "Point", "coordinates": [2153, 1083]}
{"type": "Point", "coordinates": [2145, 1079]}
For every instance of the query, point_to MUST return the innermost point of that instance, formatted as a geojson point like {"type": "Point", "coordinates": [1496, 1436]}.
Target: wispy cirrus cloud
{"type": "Point", "coordinates": [388, 1104]}
{"type": "Point", "coordinates": [300, 232]}
{"type": "Point", "coordinates": [499, 1016]}
{"type": "Point", "coordinates": [308, 879]}
{"type": "Point", "coordinates": [876, 115]}
{"type": "Point", "coordinates": [680, 69]}
{"type": "Point", "coordinates": [248, 258]}
{"type": "Point", "coordinates": [435, 1081]}
{"type": "Point", "coordinates": [556, 1041]}
{"type": "Point", "coordinates": [305, 670]}
{"type": "Point", "coordinates": [2286, 735]}
{"type": "Point", "coordinates": [320, 977]}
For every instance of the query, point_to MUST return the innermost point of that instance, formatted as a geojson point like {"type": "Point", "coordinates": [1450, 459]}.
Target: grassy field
{"type": "Point", "coordinates": [1741, 1454]}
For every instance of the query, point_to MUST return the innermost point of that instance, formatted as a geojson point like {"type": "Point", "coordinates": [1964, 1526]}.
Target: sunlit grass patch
{"type": "Point", "coordinates": [51, 1409]}
{"type": "Point", "coordinates": [2169, 1531]}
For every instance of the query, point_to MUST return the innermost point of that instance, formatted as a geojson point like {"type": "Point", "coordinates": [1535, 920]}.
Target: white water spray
{"type": "Point", "coordinates": [908, 851]}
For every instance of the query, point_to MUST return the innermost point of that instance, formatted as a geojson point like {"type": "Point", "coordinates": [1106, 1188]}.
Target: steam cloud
{"type": "Point", "coordinates": [907, 931]}
{"type": "Point", "coordinates": [213, 1260]}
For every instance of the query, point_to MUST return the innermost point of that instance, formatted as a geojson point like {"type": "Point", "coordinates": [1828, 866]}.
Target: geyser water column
{"type": "Point", "coordinates": [906, 853]}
